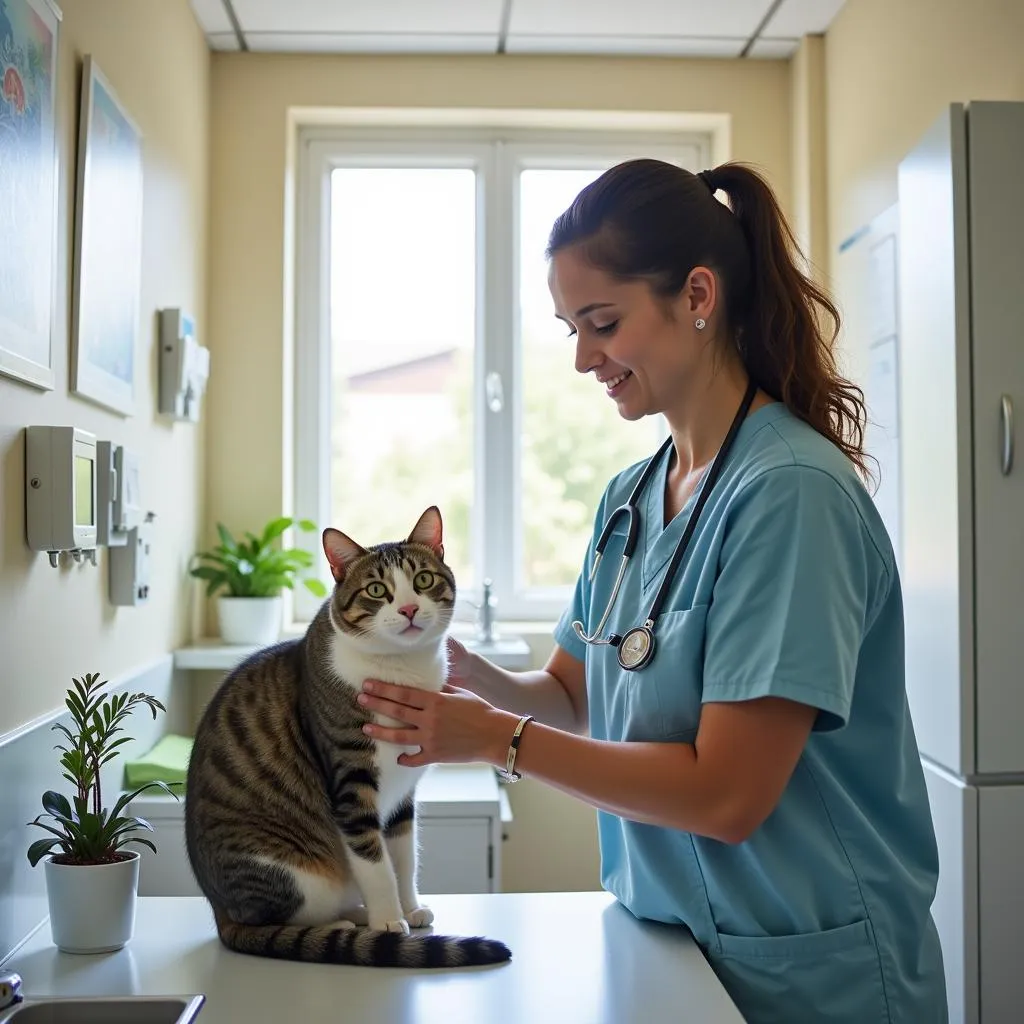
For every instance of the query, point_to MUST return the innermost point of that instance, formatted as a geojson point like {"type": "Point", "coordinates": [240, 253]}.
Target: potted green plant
{"type": "Point", "coordinates": [92, 881]}
{"type": "Point", "coordinates": [254, 572]}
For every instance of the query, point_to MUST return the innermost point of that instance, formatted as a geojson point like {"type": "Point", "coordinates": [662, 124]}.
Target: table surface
{"type": "Point", "coordinates": [577, 958]}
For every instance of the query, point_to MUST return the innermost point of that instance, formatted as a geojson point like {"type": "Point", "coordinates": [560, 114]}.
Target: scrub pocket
{"type": "Point", "coordinates": [832, 976]}
{"type": "Point", "coordinates": [665, 697]}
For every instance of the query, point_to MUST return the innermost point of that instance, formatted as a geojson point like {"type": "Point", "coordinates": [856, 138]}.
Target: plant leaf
{"type": "Point", "coordinates": [137, 839]}
{"type": "Point", "coordinates": [40, 848]}
{"type": "Point", "coordinates": [207, 572]}
{"type": "Point", "coordinates": [57, 804]}
{"type": "Point", "coordinates": [68, 833]}
{"type": "Point", "coordinates": [226, 539]}
{"type": "Point", "coordinates": [275, 528]}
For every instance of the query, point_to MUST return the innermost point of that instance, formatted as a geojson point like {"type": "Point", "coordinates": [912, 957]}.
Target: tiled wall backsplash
{"type": "Point", "coordinates": [29, 766]}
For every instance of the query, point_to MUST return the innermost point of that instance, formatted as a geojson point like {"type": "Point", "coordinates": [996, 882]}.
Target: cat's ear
{"type": "Point", "coordinates": [341, 551]}
{"type": "Point", "coordinates": [428, 531]}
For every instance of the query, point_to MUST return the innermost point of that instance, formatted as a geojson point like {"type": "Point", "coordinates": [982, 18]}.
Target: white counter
{"type": "Point", "coordinates": [577, 958]}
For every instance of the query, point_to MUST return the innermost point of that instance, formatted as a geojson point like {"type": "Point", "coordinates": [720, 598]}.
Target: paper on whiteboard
{"type": "Point", "coordinates": [882, 284]}
{"type": "Point", "coordinates": [882, 435]}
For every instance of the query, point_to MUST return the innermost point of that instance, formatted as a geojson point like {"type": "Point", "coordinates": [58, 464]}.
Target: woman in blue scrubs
{"type": "Point", "coordinates": [757, 781]}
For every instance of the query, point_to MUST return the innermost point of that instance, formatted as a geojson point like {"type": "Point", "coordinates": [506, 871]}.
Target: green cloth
{"type": "Point", "coordinates": [166, 762]}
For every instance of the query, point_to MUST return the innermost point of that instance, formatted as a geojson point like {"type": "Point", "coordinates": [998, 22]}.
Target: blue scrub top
{"type": "Point", "coordinates": [789, 588]}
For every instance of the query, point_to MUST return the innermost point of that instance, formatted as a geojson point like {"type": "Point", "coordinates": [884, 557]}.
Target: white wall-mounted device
{"type": "Point", "coordinates": [118, 499]}
{"type": "Point", "coordinates": [60, 491]}
{"type": "Point", "coordinates": [129, 567]}
{"type": "Point", "coordinates": [184, 366]}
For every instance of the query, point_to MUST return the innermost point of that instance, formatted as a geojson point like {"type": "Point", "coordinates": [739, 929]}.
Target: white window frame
{"type": "Point", "coordinates": [497, 155]}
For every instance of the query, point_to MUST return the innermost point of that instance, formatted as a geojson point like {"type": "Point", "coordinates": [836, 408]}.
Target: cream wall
{"type": "Point", "coordinates": [552, 843]}
{"type": "Point", "coordinates": [890, 68]}
{"type": "Point", "coordinates": [809, 219]}
{"type": "Point", "coordinates": [55, 623]}
{"type": "Point", "coordinates": [251, 97]}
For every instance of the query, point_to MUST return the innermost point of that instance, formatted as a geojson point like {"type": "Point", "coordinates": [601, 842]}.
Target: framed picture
{"type": "Point", "coordinates": [29, 161]}
{"type": "Point", "coordinates": [108, 248]}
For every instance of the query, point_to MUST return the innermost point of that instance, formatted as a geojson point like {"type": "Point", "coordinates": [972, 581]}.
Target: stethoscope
{"type": "Point", "coordinates": [636, 646]}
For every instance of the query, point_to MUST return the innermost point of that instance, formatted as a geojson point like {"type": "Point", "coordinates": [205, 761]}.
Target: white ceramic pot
{"type": "Point", "coordinates": [249, 620]}
{"type": "Point", "coordinates": [92, 907]}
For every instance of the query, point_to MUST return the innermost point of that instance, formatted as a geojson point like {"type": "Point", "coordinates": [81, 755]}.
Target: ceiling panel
{"type": "Point", "coordinates": [734, 19]}
{"type": "Point", "coordinates": [623, 45]}
{"type": "Point", "coordinates": [222, 40]}
{"type": "Point", "coordinates": [773, 49]}
{"type": "Point", "coordinates": [795, 18]}
{"type": "Point", "coordinates": [368, 42]}
{"type": "Point", "coordinates": [211, 15]}
{"type": "Point", "coordinates": [454, 17]}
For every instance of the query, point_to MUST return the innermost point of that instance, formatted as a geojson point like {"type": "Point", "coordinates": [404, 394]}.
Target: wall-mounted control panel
{"type": "Point", "coordinates": [60, 491]}
{"type": "Point", "coordinates": [82, 493]}
{"type": "Point", "coordinates": [184, 366]}
{"type": "Point", "coordinates": [129, 567]}
{"type": "Point", "coordinates": [118, 497]}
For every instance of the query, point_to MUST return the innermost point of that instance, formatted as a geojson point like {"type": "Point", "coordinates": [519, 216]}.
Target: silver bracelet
{"type": "Point", "coordinates": [508, 773]}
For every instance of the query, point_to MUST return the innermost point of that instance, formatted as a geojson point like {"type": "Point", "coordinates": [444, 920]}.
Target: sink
{"type": "Point", "coordinates": [508, 652]}
{"type": "Point", "coordinates": [106, 1010]}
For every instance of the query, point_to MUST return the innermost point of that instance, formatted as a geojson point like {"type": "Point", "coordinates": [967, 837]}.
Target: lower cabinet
{"type": "Point", "coordinates": [460, 825]}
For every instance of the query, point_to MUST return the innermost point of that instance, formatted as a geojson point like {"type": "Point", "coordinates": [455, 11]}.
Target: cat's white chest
{"type": "Point", "coordinates": [423, 670]}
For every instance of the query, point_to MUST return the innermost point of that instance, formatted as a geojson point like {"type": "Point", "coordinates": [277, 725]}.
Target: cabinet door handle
{"type": "Point", "coordinates": [1006, 408]}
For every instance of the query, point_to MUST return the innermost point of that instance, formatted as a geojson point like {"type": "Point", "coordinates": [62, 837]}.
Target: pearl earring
{"type": "Point", "coordinates": [699, 324]}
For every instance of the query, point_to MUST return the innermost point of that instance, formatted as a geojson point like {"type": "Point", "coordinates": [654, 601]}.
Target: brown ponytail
{"type": "Point", "coordinates": [653, 220]}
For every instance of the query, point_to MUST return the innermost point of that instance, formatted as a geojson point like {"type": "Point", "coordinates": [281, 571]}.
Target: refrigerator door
{"type": "Point", "coordinates": [1001, 901]}
{"type": "Point", "coordinates": [955, 910]}
{"type": "Point", "coordinates": [935, 440]}
{"type": "Point", "coordinates": [995, 141]}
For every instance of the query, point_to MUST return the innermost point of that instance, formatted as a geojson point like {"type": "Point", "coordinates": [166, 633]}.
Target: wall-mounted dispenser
{"type": "Point", "coordinates": [60, 491]}
{"type": "Point", "coordinates": [129, 566]}
{"type": "Point", "coordinates": [184, 366]}
{"type": "Point", "coordinates": [118, 499]}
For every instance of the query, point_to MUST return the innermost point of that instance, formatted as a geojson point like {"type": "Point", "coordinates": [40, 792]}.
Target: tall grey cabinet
{"type": "Point", "coordinates": [961, 397]}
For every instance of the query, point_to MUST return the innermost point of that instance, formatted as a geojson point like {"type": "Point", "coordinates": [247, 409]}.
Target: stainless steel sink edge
{"type": "Point", "coordinates": [23, 1011]}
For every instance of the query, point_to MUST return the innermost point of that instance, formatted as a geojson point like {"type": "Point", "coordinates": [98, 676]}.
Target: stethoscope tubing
{"type": "Point", "coordinates": [644, 635]}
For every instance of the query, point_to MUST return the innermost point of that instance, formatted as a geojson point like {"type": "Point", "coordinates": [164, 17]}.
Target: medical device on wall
{"type": "Point", "coordinates": [129, 566]}
{"type": "Point", "coordinates": [118, 499]}
{"type": "Point", "coordinates": [184, 366]}
{"type": "Point", "coordinates": [60, 491]}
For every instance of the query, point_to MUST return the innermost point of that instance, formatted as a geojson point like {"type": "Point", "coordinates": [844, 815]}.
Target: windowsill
{"type": "Point", "coordinates": [512, 648]}
{"type": "Point", "coordinates": [529, 629]}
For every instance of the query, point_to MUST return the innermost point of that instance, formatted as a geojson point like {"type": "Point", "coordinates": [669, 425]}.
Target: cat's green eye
{"type": "Point", "coordinates": [423, 580]}
{"type": "Point", "coordinates": [376, 589]}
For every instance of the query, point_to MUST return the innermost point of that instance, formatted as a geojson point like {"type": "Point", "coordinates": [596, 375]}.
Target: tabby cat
{"type": "Point", "coordinates": [299, 826]}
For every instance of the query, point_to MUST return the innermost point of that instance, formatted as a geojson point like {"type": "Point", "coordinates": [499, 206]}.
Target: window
{"type": "Point", "coordinates": [430, 368]}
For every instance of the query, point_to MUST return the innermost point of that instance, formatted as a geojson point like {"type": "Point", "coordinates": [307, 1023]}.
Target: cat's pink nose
{"type": "Point", "coordinates": [409, 611]}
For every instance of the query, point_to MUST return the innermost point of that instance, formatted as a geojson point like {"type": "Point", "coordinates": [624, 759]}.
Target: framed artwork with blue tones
{"type": "Point", "coordinates": [108, 248]}
{"type": "Point", "coordinates": [29, 161]}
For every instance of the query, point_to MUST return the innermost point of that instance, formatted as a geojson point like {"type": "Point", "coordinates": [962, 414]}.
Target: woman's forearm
{"type": "Point", "coordinates": [536, 693]}
{"type": "Point", "coordinates": [653, 783]}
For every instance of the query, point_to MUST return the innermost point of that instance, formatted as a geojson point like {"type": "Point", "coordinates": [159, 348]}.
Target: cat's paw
{"type": "Point", "coordinates": [398, 926]}
{"type": "Point", "coordinates": [344, 924]}
{"type": "Point", "coordinates": [421, 917]}
{"type": "Point", "coordinates": [356, 916]}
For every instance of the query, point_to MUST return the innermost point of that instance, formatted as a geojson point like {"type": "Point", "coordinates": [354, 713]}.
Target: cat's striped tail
{"type": "Point", "coordinates": [359, 947]}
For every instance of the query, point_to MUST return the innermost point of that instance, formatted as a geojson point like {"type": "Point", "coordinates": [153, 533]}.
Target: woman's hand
{"type": "Point", "coordinates": [453, 726]}
{"type": "Point", "coordinates": [460, 666]}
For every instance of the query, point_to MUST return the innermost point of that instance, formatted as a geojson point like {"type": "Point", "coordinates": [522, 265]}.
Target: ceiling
{"type": "Point", "coordinates": [665, 28]}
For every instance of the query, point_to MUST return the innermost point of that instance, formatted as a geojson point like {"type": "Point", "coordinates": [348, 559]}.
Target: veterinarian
{"type": "Point", "coordinates": [731, 697]}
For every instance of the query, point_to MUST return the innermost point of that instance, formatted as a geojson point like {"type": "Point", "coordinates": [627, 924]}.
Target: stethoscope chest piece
{"type": "Point", "coordinates": [636, 648]}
